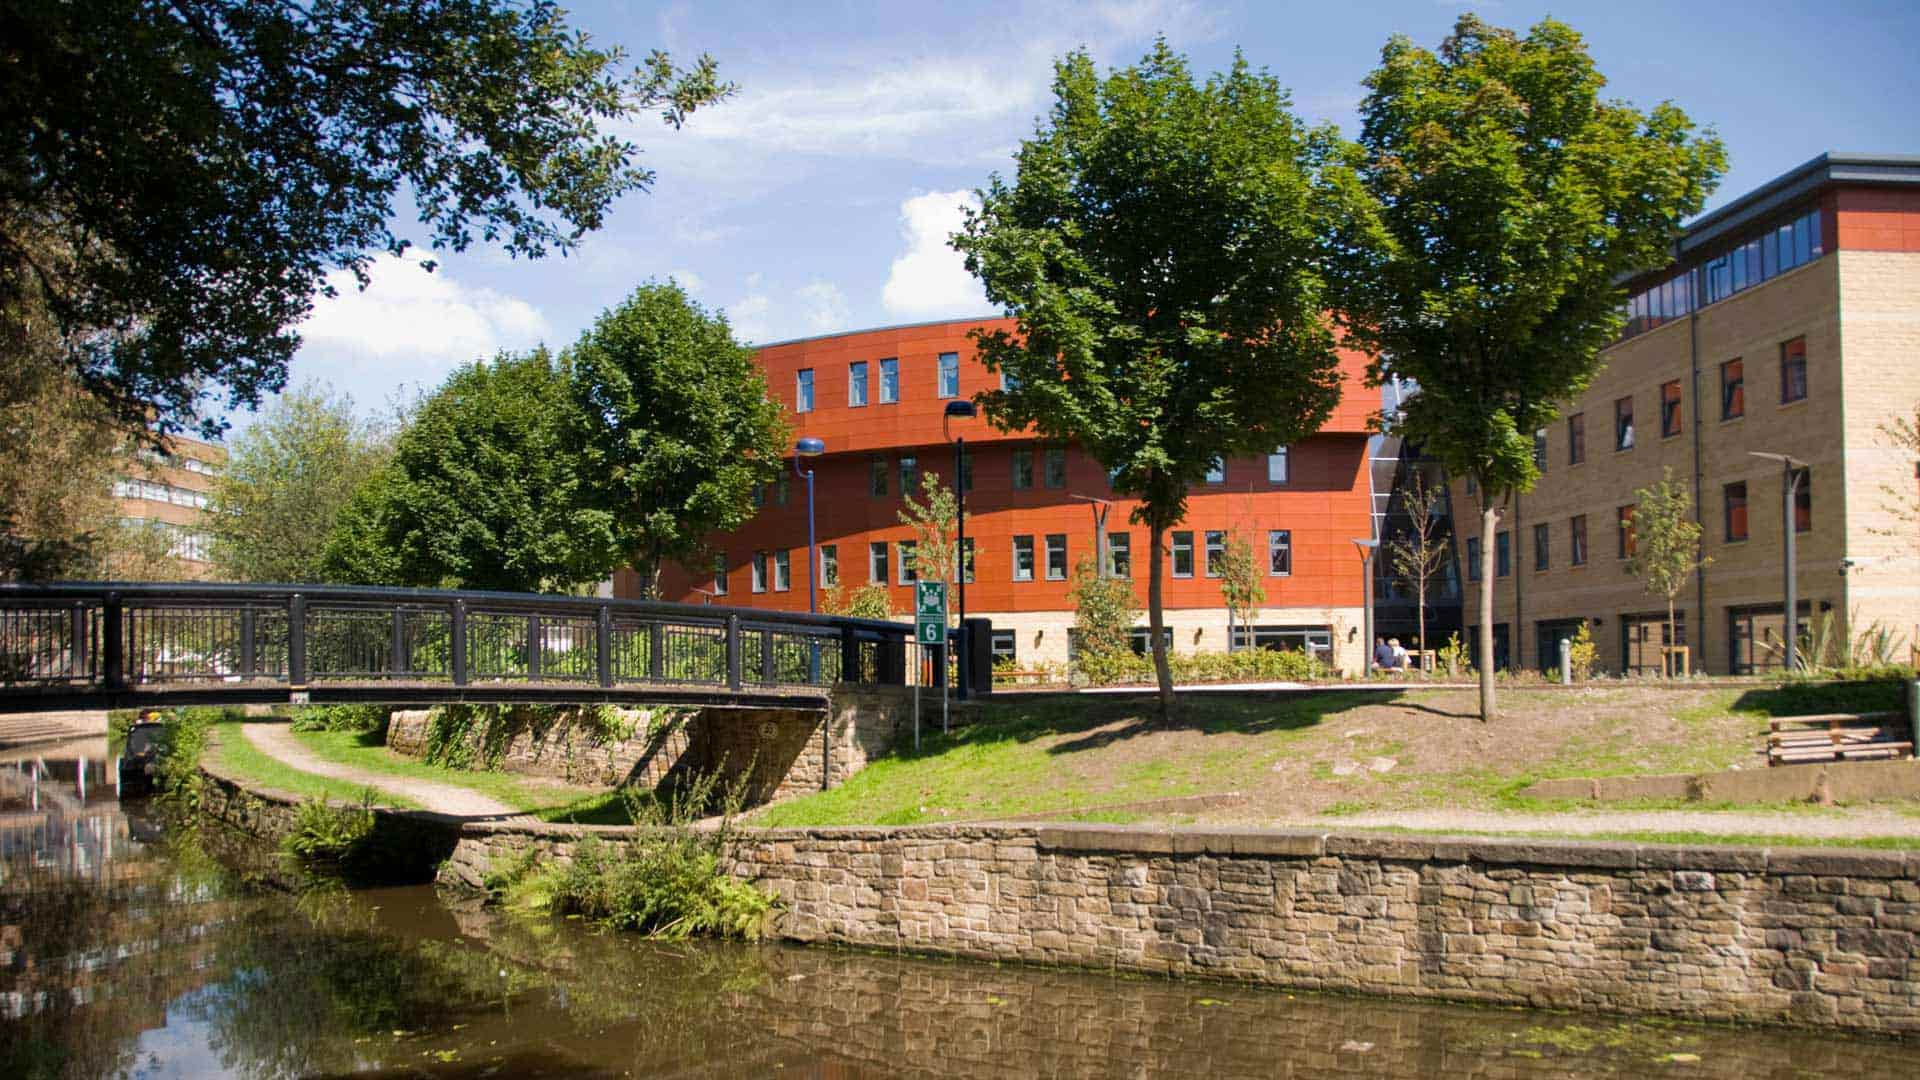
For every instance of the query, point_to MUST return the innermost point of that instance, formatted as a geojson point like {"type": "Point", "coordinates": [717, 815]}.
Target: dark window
{"type": "Point", "coordinates": [857, 383]}
{"type": "Point", "coordinates": [1803, 502]}
{"type": "Point", "coordinates": [1540, 449]}
{"type": "Point", "coordinates": [1755, 637]}
{"type": "Point", "coordinates": [759, 571]}
{"type": "Point", "coordinates": [720, 574]}
{"type": "Point", "coordinates": [829, 565]}
{"type": "Point", "coordinates": [1005, 647]}
{"type": "Point", "coordinates": [909, 475]}
{"type": "Point", "coordinates": [1120, 555]}
{"type": "Point", "coordinates": [1056, 556]}
{"type": "Point", "coordinates": [1670, 409]}
{"type": "Point", "coordinates": [877, 476]}
{"type": "Point", "coordinates": [780, 492]}
{"type": "Point", "coordinates": [1793, 370]}
{"type": "Point", "coordinates": [1624, 526]}
{"type": "Point", "coordinates": [782, 571]}
{"type": "Point", "coordinates": [1644, 643]}
{"type": "Point", "coordinates": [1733, 389]}
{"type": "Point", "coordinates": [1022, 470]}
{"type": "Point", "coordinates": [1577, 540]}
{"type": "Point", "coordinates": [1736, 510]}
{"type": "Point", "coordinates": [1280, 552]}
{"type": "Point", "coordinates": [1502, 554]}
{"type": "Point", "coordinates": [1183, 554]}
{"type": "Point", "coordinates": [1216, 552]}
{"type": "Point", "coordinates": [1541, 554]}
{"type": "Point", "coordinates": [1023, 558]}
{"type": "Point", "coordinates": [877, 562]}
{"type": "Point", "coordinates": [909, 573]}
{"type": "Point", "coordinates": [1623, 424]}
{"type": "Point", "coordinates": [949, 374]}
{"type": "Point", "coordinates": [1055, 465]}
{"type": "Point", "coordinates": [1473, 558]}
{"type": "Point", "coordinates": [803, 390]}
{"type": "Point", "coordinates": [1576, 438]}
{"type": "Point", "coordinates": [889, 381]}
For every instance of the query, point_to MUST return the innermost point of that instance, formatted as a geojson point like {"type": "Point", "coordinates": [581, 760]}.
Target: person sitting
{"type": "Point", "coordinates": [1382, 654]}
{"type": "Point", "coordinates": [1399, 654]}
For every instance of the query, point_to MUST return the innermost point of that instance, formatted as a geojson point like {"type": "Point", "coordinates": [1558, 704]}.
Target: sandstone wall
{"type": "Point", "coordinates": [1809, 937]}
{"type": "Point", "coordinates": [570, 751]}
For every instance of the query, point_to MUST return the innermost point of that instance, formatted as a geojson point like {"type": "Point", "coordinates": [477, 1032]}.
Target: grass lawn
{"type": "Point", "coordinates": [238, 757]}
{"type": "Point", "coordinates": [1301, 755]}
{"type": "Point", "coordinates": [549, 800]}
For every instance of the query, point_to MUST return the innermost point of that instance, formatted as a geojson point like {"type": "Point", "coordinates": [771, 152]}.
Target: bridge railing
{"type": "Point", "coordinates": [118, 635]}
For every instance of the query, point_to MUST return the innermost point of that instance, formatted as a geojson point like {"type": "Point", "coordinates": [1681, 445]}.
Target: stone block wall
{"type": "Point", "coordinates": [1802, 937]}
{"type": "Point", "coordinates": [566, 750]}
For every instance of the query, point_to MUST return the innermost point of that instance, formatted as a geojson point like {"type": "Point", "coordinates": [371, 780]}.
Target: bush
{"type": "Point", "coordinates": [356, 718]}
{"type": "Point", "coordinates": [330, 835]}
{"type": "Point", "coordinates": [1245, 665]}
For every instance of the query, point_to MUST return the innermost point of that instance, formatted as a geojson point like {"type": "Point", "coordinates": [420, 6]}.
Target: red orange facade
{"type": "Point", "coordinates": [878, 400]}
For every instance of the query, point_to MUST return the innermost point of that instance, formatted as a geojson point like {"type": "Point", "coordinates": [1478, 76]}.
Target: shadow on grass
{"type": "Point", "coordinates": [1813, 698]}
{"type": "Point", "coordinates": [1106, 719]}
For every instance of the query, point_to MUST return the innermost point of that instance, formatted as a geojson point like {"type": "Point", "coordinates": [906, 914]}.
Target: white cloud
{"type": "Point", "coordinates": [424, 323]}
{"type": "Point", "coordinates": [929, 278]}
{"type": "Point", "coordinates": [818, 307]}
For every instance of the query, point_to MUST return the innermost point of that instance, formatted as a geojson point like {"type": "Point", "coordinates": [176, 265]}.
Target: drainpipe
{"type": "Point", "coordinates": [1697, 650]}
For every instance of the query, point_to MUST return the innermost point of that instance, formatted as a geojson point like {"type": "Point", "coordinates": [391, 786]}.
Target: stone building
{"type": "Point", "coordinates": [168, 491]}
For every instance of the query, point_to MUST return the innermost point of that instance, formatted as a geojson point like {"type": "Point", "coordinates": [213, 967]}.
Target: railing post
{"type": "Point", "coordinates": [113, 654]}
{"type": "Point", "coordinates": [733, 653]}
{"type": "Point", "coordinates": [249, 630]}
{"type": "Point", "coordinates": [534, 648]}
{"type": "Point", "coordinates": [849, 656]}
{"type": "Point", "coordinates": [78, 626]}
{"type": "Point", "coordinates": [397, 652]}
{"type": "Point", "coordinates": [603, 645]}
{"type": "Point", "coordinates": [297, 641]}
{"type": "Point", "coordinates": [656, 651]}
{"type": "Point", "coordinates": [458, 651]}
{"type": "Point", "coordinates": [767, 669]}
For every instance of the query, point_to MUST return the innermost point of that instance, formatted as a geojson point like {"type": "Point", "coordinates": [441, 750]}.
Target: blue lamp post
{"type": "Point", "coordinates": [807, 448]}
{"type": "Point", "coordinates": [965, 410]}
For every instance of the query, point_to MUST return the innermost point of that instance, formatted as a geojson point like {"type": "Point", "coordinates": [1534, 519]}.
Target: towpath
{"type": "Point", "coordinates": [278, 741]}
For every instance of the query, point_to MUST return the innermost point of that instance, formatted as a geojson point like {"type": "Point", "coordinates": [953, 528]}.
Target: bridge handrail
{"type": "Point", "coordinates": [110, 633]}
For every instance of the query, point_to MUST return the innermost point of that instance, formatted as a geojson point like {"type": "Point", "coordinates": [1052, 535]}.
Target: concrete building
{"type": "Point", "coordinates": [877, 398]}
{"type": "Point", "coordinates": [1788, 324]}
{"type": "Point", "coordinates": [168, 491]}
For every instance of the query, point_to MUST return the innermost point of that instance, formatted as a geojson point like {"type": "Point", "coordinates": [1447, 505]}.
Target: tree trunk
{"type": "Point", "coordinates": [1666, 655]}
{"type": "Point", "coordinates": [1156, 621]}
{"type": "Point", "coordinates": [1489, 521]}
{"type": "Point", "coordinates": [1420, 594]}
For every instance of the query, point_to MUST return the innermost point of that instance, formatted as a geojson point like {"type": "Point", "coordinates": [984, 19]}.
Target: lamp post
{"type": "Point", "coordinates": [1366, 610]}
{"type": "Point", "coordinates": [966, 411]}
{"type": "Point", "coordinates": [1099, 507]}
{"type": "Point", "coordinates": [807, 448]}
{"type": "Point", "coordinates": [1789, 488]}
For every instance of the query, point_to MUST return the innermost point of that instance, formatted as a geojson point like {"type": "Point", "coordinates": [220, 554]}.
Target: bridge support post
{"type": "Point", "coordinates": [603, 645]}
{"type": "Point", "coordinates": [397, 646]}
{"type": "Point", "coordinates": [733, 653]}
{"type": "Point", "coordinates": [768, 671]}
{"type": "Point", "coordinates": [113, 642]}
{"type": "Point", "coordinates": [849, 656]}
{"type": "Point", "coordinates": [249, 631]}
{"type": "Point", "coordinates": [656, 651]}
{"type": "Point", "coordinates": [77, 631]}
{"type": "Point", "coordinates": [458, 647]}
{"type": "Point", "coordinates": [297, 641]}
{"type": "Point", "coordinates": [534, 647]}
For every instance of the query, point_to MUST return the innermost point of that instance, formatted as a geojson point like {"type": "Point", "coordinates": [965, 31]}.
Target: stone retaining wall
{"type": "Point", "coordinates": [1839, 781]}
{"type": "Point", "coordinates": [1799, 936]}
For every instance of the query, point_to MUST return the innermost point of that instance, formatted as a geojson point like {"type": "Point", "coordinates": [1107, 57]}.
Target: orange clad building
{"type": "Point", "coordinates": [877, 400]}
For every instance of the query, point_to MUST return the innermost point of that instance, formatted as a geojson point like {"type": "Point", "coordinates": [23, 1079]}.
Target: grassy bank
{"type": "Point", "coordinates": [549, 800]}
{"type": "Point", "coordinates": [237, 757]}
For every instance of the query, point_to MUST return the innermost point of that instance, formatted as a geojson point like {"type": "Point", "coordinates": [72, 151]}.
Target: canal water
{"type": "Point", "coordinates": [126, 951]}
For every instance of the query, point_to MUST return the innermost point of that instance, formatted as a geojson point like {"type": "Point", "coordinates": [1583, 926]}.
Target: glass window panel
{"type": "Point", "coordinates": [1023, 558]}
{"type": "Point", "coordinates": [1736, 515]}
{"type": "Point", "coordinates": [1738, 260]}
{"type": "Point", "coordinates": [720, 574]}
{"type": "Point", "coordinates": [1056, 467]}
{"type": "Point", "coordinates": [1056, 557]}
{"type": "Point", "coordinates": [1280, 552]}
{"type": "Point", "coordinates": [889, 381]}
{"type": "Point", "coordinates": [909, 573]}
{"type": "Point", "coordinates": [1784, 234]}
{"type": "Point", "coordinates": [949, 375]}
{"type": "Point", "coordinates": [1120, 555]}
{"type": "Point", "coordinates": [1733, 390]}
{"type": "Point", "coordinates": [1277, 466]}
{"type": "Point", "coordinates": [1541, 542]}
{"type": "Point", "coordinates": [1803, 231]}
{"type": "Point", "coordinates": [803, 391]}
{"type": "Point", "coordinates": [1217, 471]}
{"type": "Point", "coordinates": [1473, 558]}
{"type": "Point", "coordinates": [1502, 554]}
{"type": "Point", "coordinates": [1182, 554]}
{"type": "Point", "coordinates": [877, 476]}
{"type": "Point", "coordinates": [1216, 552]}
{"type": "Point", "coordinates": [782, 571]}
{"type": "Point", "coordinates": [1803, 502]}
{"type": "Point", "coordinates": [1022, 470]}
{"type": "Point", "coordinates": [1577, 540]}
{"type": "Point", "coordinates": [759, 571]}
{"type": "Point", "coordinates": [1576, 438]}
{"type": "Point", "coordinates": [909, 475]}
{"type": "Point", "coordinates": [1793, 370]}
{"type": "Point", "coordinates": [877, 561]}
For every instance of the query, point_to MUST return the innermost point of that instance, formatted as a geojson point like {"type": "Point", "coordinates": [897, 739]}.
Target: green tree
{"type": "Point", "coordinates": [934, 518]}
{"type": "Point", "coordinates": [671, 420]}
{"type": "Point", "coordinates": [177, 179]}
{"type": "Point", "coordinates": [288, 478]}
{"type": "Point", "coordinates": [1104, 610]}
{"type": "Point", "coordinates": [1240, 583]}
{"type": "Point", "coordinates": [1161, 248]}
{"type": "Point", "coordinates": [1902, 435]}
{"type": "Point", "coordinates": [1666, 544]}
{"type": "Point", "coordinates": [1418, 553]}
{"type": "Point", "coordinates": [869, 601]}
{"type": "Point", "coordinates": [1512, 199]}
{"type": "Point", "coordinates": [481, 492]}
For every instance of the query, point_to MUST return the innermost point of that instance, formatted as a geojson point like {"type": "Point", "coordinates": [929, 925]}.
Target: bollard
{"type": "Point", "coordinates": [1566, 662]}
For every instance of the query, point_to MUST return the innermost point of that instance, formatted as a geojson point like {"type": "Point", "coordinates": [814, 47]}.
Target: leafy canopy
{"type": "Point", "coordinates": [670, 420]}
{"type": "Point", "coordinates": [1511, 202]}
{"type": "Point", "coordinates": [177, 179]}
{"type": "Point", "coordinates": [1666, 539]}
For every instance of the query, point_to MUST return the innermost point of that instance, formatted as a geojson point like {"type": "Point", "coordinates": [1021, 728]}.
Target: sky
{"type": "Point", "coordinates": [819, 198]}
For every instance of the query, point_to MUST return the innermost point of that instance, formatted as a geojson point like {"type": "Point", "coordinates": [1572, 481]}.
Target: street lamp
{"type": "Point", "coordinates": [965, 410]}
{"type": "Point", "coordinates": [807, 448]}
{"type": "Point", "coordinates": [1099, 507]}
{"type": "Point", "coordinates": [1789, 488]}
{"type": "Point", "coordinates": [1366, 611]}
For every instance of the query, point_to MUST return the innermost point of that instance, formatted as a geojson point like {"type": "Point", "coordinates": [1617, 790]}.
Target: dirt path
{"type": "Point", "coordinates": [1835, 824]}
{"type": "Point", "coordinates": [277, 740]}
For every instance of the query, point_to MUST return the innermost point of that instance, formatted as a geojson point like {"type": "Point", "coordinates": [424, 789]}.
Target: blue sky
{"type": "Point", "coordinates": [818, 199]}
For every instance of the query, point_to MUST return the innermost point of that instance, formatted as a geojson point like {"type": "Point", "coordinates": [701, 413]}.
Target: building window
{"type": "Point", "coordinates": [1216, 552]}
{"type": "Point", "coordinates": [1735, 496]}
{"type": "Point", "coordinates": [1022, 470]}
{"type": "Point", "coordinates": [1183, 554]}
{"type": "Point", "coordinates": [1277, 466]}
{"type": "Point", "coordinates": [1502, 554]}
{"type": "Point", "coordinates": [1803, 502]}
{"type": "Point", "coordinates": [759, 571]}
{"type": "Point", "coordinates": [1644, 642]}
{"type": "Point", "coordinates": [889, 381]}
{"type": "Point", "coordinates": [966, 558]}
{"type": "Point", "coordinates": [782, 571]}
{"type": "Point", "coordinates": [857, 383]}
{"type": "Point", "coordinates": [1217, 471]}
{"type": "Point", "coordinates": [780, 491]}
{"type": "Point", "coordinates": [1670, 409]}
{"type": "Point", "coordinates": [1576, 438]}
{"type": "Point", "coordinates": [829, 565]}
{"type": "Point", "coordinates": [1623, 424]}
{"type": "Point", "coordinates": [757, 495]}
{"type": "Point", "coordinates": [1793, 370]}
{"type": "Point", "coordinates": [1540, 449]}
{"type": "Point", "coordinates": [1542, 556]}
{"type": "Point", "coordinates": [908, 572]}
{"type": "Point", "coordinates": [720, 574]}
{"type": "Point", "coordinates": [1006, 649]}
{"type": "Point", "coordinates": [1577, 541]}
{"type": "Point", "coordinates": [1623, 523]}
{"type": "Point", "coordinates": [949, 374]}
{"type": "Point", "coordinates": [909, 474]}
{"type": "Point", "coordinates": [877, 476]}
{"type": "Point", "coordinates": [1120, 555]}
{"type": "Point", "coordinates": [803, 390]}
{"type": "Point", "coordinates": [877, 562]}
{"type": "Point", "coordinates": [1280, 552]}
{"type": "Point", "coordinates": [1023, 558]}
{"type": "Point", "coordinates": [1733, 389]}
{"type": "Point", "coordinates": [1056, 556]}
{"type": "Point", "coordinates": [1055, 464]}
{"type": "Point", "coordinates": [1008, 382]}
{"type": "Point", "coordinates": [1473, 558]}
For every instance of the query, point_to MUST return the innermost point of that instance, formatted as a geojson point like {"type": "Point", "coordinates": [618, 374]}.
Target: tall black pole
{"type": "Point", "coordinates": [960, 558]}
{"type": "Point", "coordinates": [1791, 619]}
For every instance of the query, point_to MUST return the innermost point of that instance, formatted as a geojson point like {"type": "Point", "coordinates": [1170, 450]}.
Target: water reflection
{"type": "Point", "coordinates": [188, 956]}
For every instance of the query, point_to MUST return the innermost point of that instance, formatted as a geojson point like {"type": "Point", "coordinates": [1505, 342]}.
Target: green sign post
{"type": "Point", "coordinates": [930, 612]}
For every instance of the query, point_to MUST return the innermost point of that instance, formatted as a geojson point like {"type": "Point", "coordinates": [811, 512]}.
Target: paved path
{"type": "Point", "coordinates": [278, 741]}
{"type": "Point", "coordinates": [1832, 825]}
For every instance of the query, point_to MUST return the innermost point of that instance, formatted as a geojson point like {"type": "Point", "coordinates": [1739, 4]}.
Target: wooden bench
{"type": "Point", "coordinates": [1794, 740]}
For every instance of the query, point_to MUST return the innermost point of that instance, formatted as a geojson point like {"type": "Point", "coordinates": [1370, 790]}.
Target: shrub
{"type": "Point", "coordinates": [356, 718]}
{"type": "Point", "coordinates": [1245, 665]}
{"type": "Point", "coordinates": [330, 835]}
{"type": "Point", "coordinates": [1582, 653]}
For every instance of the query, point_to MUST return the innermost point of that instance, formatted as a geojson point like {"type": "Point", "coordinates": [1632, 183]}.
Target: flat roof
{"type": "Point", "coordinates": [1792, 186]}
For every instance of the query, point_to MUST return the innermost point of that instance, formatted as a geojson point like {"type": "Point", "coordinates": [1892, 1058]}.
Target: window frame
{"type": "Point", "coordinates": [1623, 430]}
{"type": "Point", "coordinates": [1793, 358]}
{"type": "Point", "coordinates": [857, 389]}
{"type": "Point", "coordinates": [1577, 540]}
{"type": "Point", "coordinates": [1503, 553]}
{"type": "Point", "coordinates": [1671, 422]}
{"type": "Point", "coordinates": [909, 474]}
{"type": "Point", "coordinates": [1280, 455]}
{"type": "Point", "coordinates": [948, 364]}
{"type": "Point", "coordinates": [1577, 439]}
{"type": "Point", "coordinates": [1120, 555]}
{"type": "Point", "coordinates": [1542, 547]}
{"type": "Point", "coordinates": [879, 471]}
{"type": "Point", "coordinates": [1048, 457]}
{"type": "Point", "coordinates": [904, 566]}
{"type": "Point", "coordinates": [1280, 543]}
{"type": "Point", "coordinates": [782, 570]}
{"type": "Point", "coordinates": [1625, 541]}
{"type": "Point", "coordinates": [1214, 547]}
{"type": "Point", "coordinates": [1733, 392]}
{"type": "Point", "coordinates": [720, 583]}
{"type": "Point", "coordinates": [1178, 543]}
{"type": "Point", "coordinates": [803, 390]}
{"type": "Point", "coordinates": [1473, 558]}
{"type": "Point", "coordinates": [829, 568]}
{"type": "Point", "coordinates": [1729, 506]}
{"type": "Point", "coordinates": [889, 388]}
{"type": "Point", "coordinates": [1021, 457]}
{"type": "Point", "coordinates": [1023, 543]}
{"type": "Point", "coordinates": [759, 563]}
{"type": "Point", "coordinates": [1217, 471]}
{"type": "Point", "coordinates": [879, 565]}
{"type": "Point", "coordinates": [1060, 549]}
